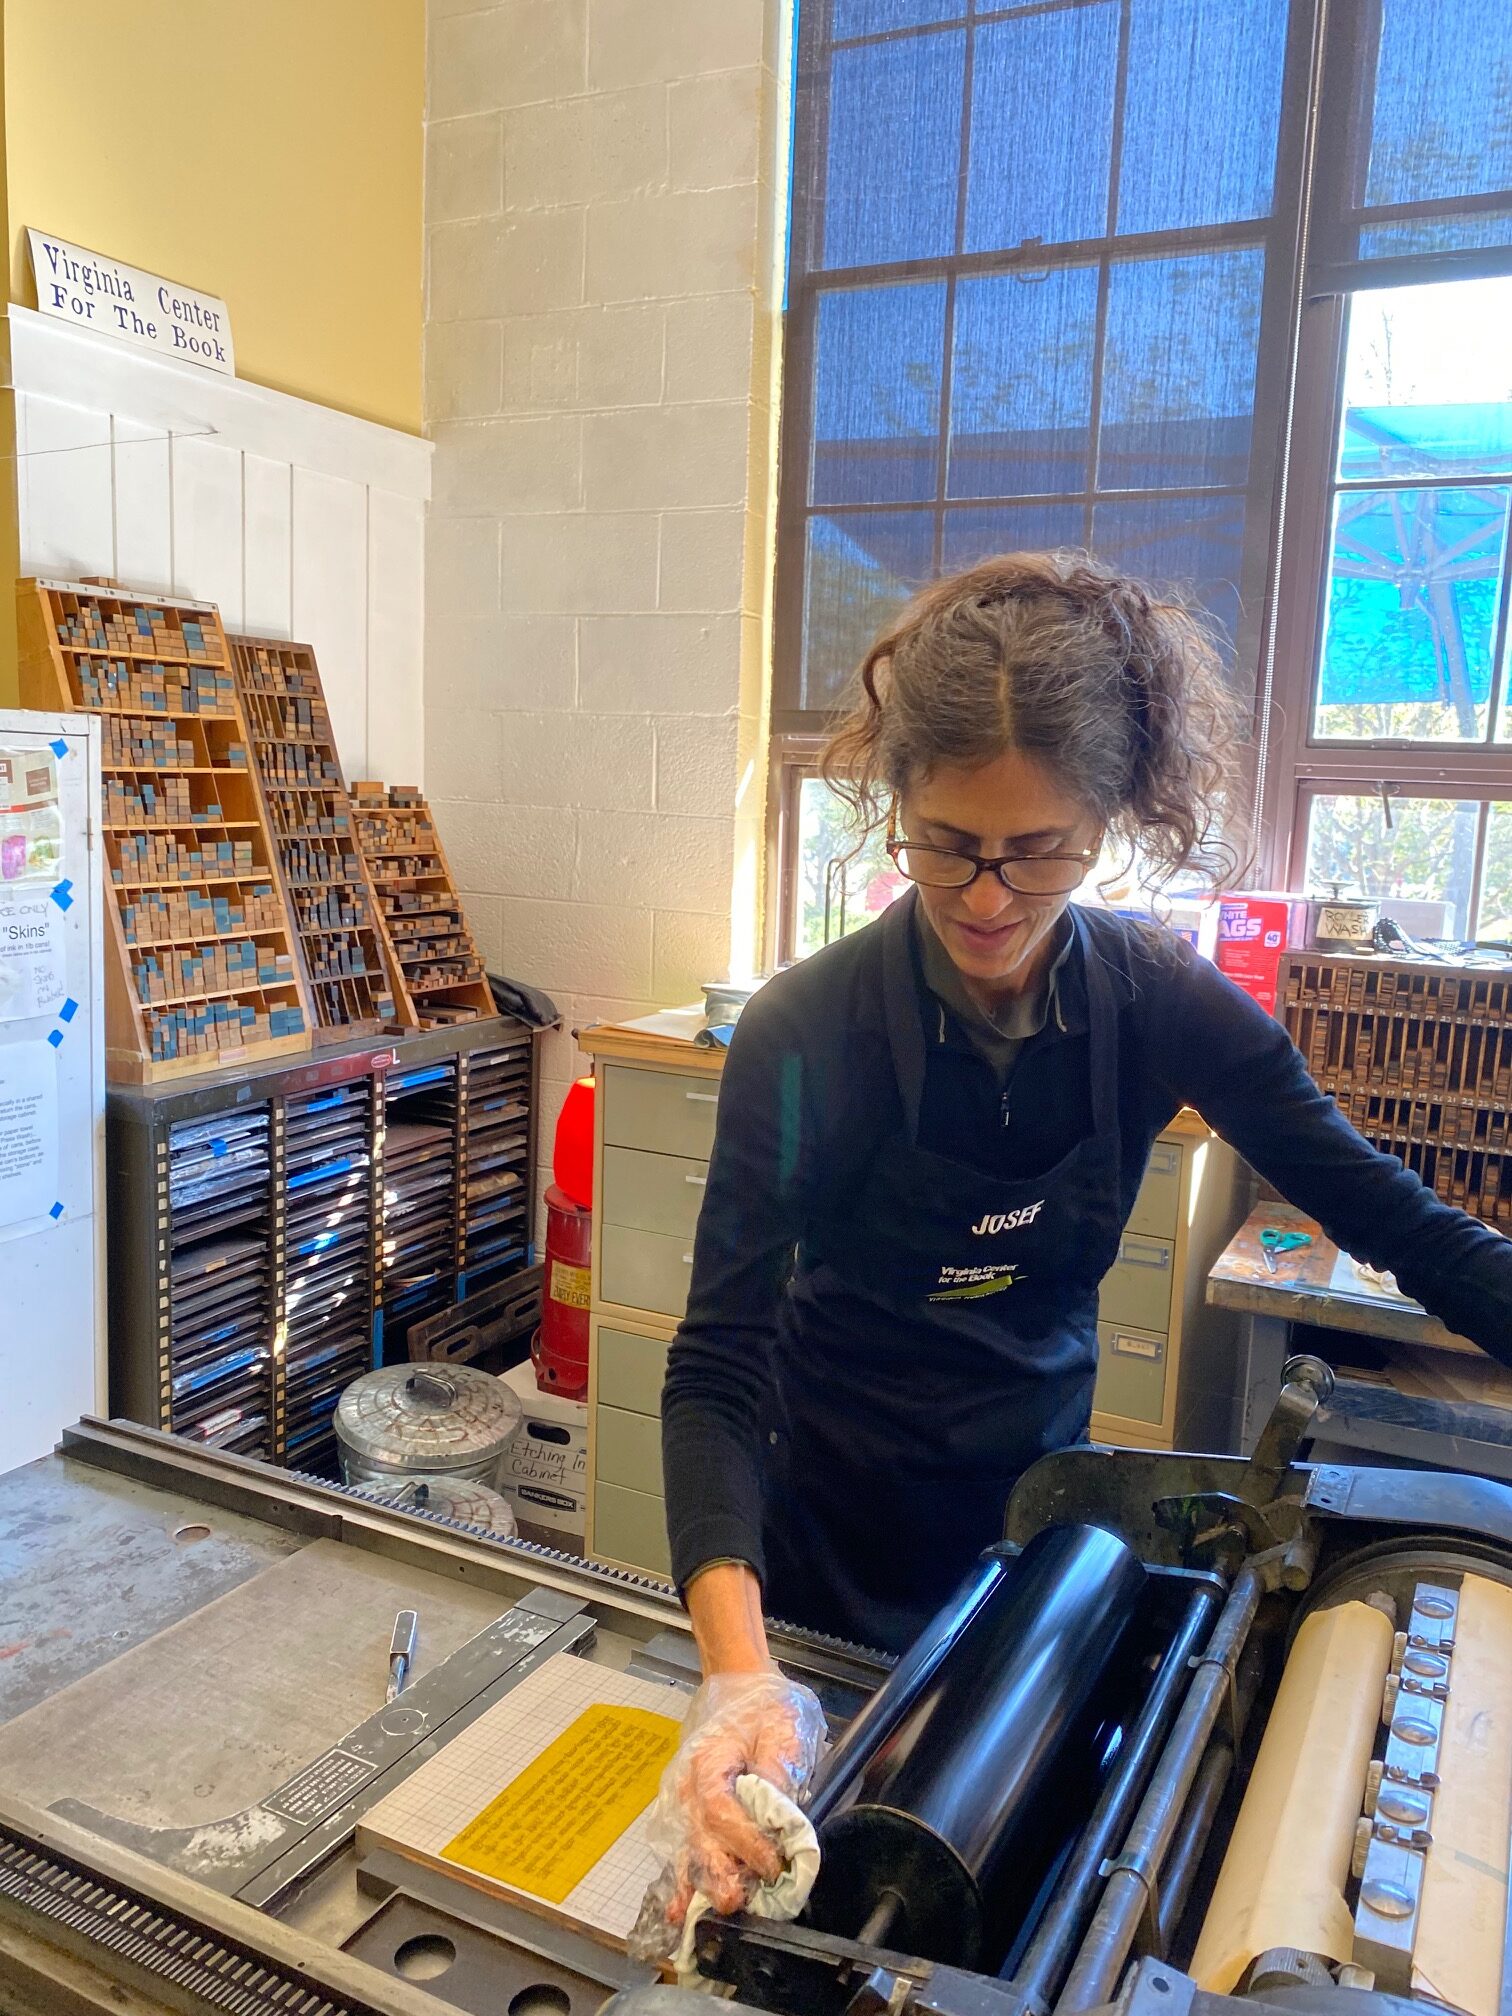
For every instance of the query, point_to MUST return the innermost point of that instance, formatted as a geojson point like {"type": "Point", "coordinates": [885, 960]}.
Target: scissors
{"type": "Point", "coordinates": [1273, 1242]}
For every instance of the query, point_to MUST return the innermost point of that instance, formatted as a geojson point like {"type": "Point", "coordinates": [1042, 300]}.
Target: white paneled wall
{"type": "Point", "coordinates": [297, 520]}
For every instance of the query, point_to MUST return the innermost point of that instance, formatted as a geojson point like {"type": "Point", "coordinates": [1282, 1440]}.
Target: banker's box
{"type": "Point", "coordinates": [544, 1474]}
{"type": "Point", "coordinates": [1255, 930]}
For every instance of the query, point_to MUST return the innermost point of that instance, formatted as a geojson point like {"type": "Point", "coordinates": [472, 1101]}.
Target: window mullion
{"type": "Point", "coordinates": [947, 358]}
{"type": "Point", "coordinates": [1478, 870]}
{"type": "Point", "coordinates": [1104, 266]}
{"type": "Point", "coordinates": [1500, 642]}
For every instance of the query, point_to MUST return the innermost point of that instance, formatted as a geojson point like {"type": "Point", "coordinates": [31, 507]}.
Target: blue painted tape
{"type": "Point", "coordinates": [63, 895]}
{"type": "Point", "coordinates": [69, 1009]}
{"type": "Point", "coordinates": [56, 1211]}
{"type": "Point", "coordinates": [55, 1037]}
{"type": "Point", "coordinates": [59, 748]}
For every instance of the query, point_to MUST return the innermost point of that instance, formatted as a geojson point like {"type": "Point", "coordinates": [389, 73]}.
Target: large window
{"type": "Point", "coordinates": [1030, 264]}
{"type": "Point", "coordinates": [1117, 273]}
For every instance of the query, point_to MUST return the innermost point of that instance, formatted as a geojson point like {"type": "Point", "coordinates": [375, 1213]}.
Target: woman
{"type": "Point", "coordinates": [931, 1134]}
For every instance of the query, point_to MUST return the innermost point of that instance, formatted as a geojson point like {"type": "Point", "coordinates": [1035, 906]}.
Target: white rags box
{"type": "Point", "coordinates": [544, 1474]}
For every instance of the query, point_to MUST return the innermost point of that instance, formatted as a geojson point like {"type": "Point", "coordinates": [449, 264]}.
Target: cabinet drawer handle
{"type": "Point", "coordinates": [703, 1098]}
{"type": "Point", "coordinates": [687, 1259]}
{"type": "Point", "coordinates": [698, 1182]}
{"type": "Point", "coordinates": [1144, 1256]}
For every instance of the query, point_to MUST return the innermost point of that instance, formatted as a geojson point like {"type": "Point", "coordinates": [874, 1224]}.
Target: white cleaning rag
{"type": "Point", "coordinates": [792, 1830]}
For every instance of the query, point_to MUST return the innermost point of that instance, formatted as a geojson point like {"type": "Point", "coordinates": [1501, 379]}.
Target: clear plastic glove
{"type": "Point", "coordinates": [760, 1723]}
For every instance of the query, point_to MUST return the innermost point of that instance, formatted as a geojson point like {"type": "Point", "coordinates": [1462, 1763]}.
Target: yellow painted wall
{"type": "Point", "coordinates": [269, 151]}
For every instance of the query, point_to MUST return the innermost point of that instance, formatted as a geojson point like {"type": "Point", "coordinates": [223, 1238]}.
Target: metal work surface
{"type": "Point", "coordinates": [91, 1565]}
{"type": "Point", "coordinates": [638, 1606]}
{"type": "Point", "coordinates": [206, 1717]}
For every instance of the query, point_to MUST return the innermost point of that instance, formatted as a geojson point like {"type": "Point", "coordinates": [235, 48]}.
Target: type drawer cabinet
{"type": "Point", "coordinates": [1168, 1372]}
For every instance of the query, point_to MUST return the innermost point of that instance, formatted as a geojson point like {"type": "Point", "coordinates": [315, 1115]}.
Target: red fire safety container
{"type": "Point", "coordinates": [559, 1349]}
{"type": "Point", "coordinates": [572, 1150]}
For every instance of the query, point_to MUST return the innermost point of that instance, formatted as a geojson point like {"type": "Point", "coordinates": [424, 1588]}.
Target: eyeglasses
{"type": "Point", "coordinates": [1028, 875]}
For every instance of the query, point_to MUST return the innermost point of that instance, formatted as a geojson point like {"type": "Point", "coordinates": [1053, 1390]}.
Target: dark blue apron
{"type": "Point", "coordinates": [939, 1335]}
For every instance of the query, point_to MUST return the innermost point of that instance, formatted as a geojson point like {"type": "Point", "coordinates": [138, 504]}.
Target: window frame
{"type": "Point", "coordinates": [1300, 765]}
{"type": "Point", "coordinates": [808, 283]}
{"type": "Point", "coordinates": [1312, 267]}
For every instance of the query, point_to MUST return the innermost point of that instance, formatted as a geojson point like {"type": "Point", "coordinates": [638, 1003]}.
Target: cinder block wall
{"type": "Point", "coordinates": [603, 235]}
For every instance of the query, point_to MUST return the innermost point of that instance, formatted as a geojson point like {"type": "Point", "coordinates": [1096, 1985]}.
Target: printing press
{"type": "Point", "coordinates": [1201, 1730]}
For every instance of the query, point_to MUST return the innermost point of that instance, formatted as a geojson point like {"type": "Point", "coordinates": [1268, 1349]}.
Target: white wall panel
{"type": "Point", "coordinates": [143, 506]}
{"type": "Point", "coordinates": [330, 601]}
{"type": "Point", "coordinates": [396, 636]}
{"type": "Point", "coordinates": [207, 524]}
{"type": "Point", "coordinates": [297, 520]}
{"type": "Point", "coordinates": [265, 515]}
{"type": "Point", "coordinates": [65, 491]}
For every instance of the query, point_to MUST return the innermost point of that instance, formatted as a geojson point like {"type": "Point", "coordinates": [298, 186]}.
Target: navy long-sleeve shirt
{"type": "Point", "coordinates": [810, 1084]}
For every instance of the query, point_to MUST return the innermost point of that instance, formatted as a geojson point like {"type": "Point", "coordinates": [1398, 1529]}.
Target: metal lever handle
{"type": "Point", "coordinates": [434, 1387]}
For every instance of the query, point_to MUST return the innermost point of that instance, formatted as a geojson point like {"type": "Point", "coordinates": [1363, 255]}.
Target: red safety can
{"type": "Point", "coordinates": [559, 1349]}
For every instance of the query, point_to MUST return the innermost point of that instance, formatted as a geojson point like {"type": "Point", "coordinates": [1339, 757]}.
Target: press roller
{"type": "Point", "coordinates": [1246, 1722]}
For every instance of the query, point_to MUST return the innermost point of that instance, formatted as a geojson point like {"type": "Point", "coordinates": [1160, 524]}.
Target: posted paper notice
{"type": "Point", "coordinates": [32, 954]}
{"type": "Point", "coordinates": [28, 1132]}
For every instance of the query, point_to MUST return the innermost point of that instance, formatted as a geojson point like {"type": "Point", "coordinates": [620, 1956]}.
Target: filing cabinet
{"type": "Point", "coordinates": [1168, 1365]}
{"type": "Point", "coordinates": [655, 1110]}
{"type": "Point", "coordinates": [1168, 1374]}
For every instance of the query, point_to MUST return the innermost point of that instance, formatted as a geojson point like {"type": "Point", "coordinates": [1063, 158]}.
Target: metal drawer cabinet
{"type": "Point", "coordinates": [627, 1450]}
{"type": "Point", "coordinates": [665, 1112]}
{"type": "Point", "coordinates": [629, 1371]}
{"type": "Point", "coordinates": [1157, 1208]}
{"type": "Point", "coordinates": [1136, 1289]}
{"type": "Point", "coordinates": [653, 1193]}
{"type": "Point", "coordinates": [1131, 1373]}
{"type": "Point", "coordinates": [630, 1527]}
{"type": "Point", "coordinates": [644, 1270]}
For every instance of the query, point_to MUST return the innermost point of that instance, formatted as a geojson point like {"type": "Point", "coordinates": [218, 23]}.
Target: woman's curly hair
{"type": "Point", "coordinates": [1119, 692]}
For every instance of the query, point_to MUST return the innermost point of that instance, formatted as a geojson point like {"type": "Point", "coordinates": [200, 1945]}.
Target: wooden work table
{"type": "Point", "coordinates": [1436, 1399]}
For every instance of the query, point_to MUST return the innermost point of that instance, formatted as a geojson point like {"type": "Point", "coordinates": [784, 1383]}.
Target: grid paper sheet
{"type": "Point", "coordinates": [434, 1804]}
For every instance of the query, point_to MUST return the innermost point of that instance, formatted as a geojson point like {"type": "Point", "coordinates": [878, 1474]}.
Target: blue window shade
{"type": "Point", "coordinates": [1041, 127]}
{"type": "Point", "coordinates": [1201, 113]}
{"type": "Point", "coordinates": [976, 532]}
{"type": "Point", "coordinates": [875, 17]}
{"type": "Point", "coordinates": [893, 173]}
{"type": "Point", "coordinates": [878, 366]}
{"type": "Point", "coordinates": [1194, 545]}
{"type": "Point", "coordinates": [1021, 383]}
{"type": "Point", "coordinates": [861, 568]}
{"type": "Point", "coordinates": [1442, 122]}
{"type": "Point", "coordinates": [1179, 379]}
{"type": "Point", "coordinates": [1413, 586]}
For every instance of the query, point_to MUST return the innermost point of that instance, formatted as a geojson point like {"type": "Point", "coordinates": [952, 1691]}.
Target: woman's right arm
{"type": "Point", "coordinates": [719, 1372]}
{"type": "Point", "coordinates": [747, 1717]}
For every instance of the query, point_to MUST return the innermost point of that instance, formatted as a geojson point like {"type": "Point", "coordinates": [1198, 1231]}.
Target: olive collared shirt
{"type": "Point", "coordinates": [999, 1035]}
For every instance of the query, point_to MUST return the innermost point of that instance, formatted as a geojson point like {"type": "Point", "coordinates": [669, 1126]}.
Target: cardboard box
{"type": "Point", "coordinates": [1194, 918]}
{"type": "Point", "coordinates": [544, 1474]}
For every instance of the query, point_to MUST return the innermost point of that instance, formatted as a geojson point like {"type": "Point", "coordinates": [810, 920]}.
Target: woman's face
{"type": "Point", "coordinates": [998, 939]}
